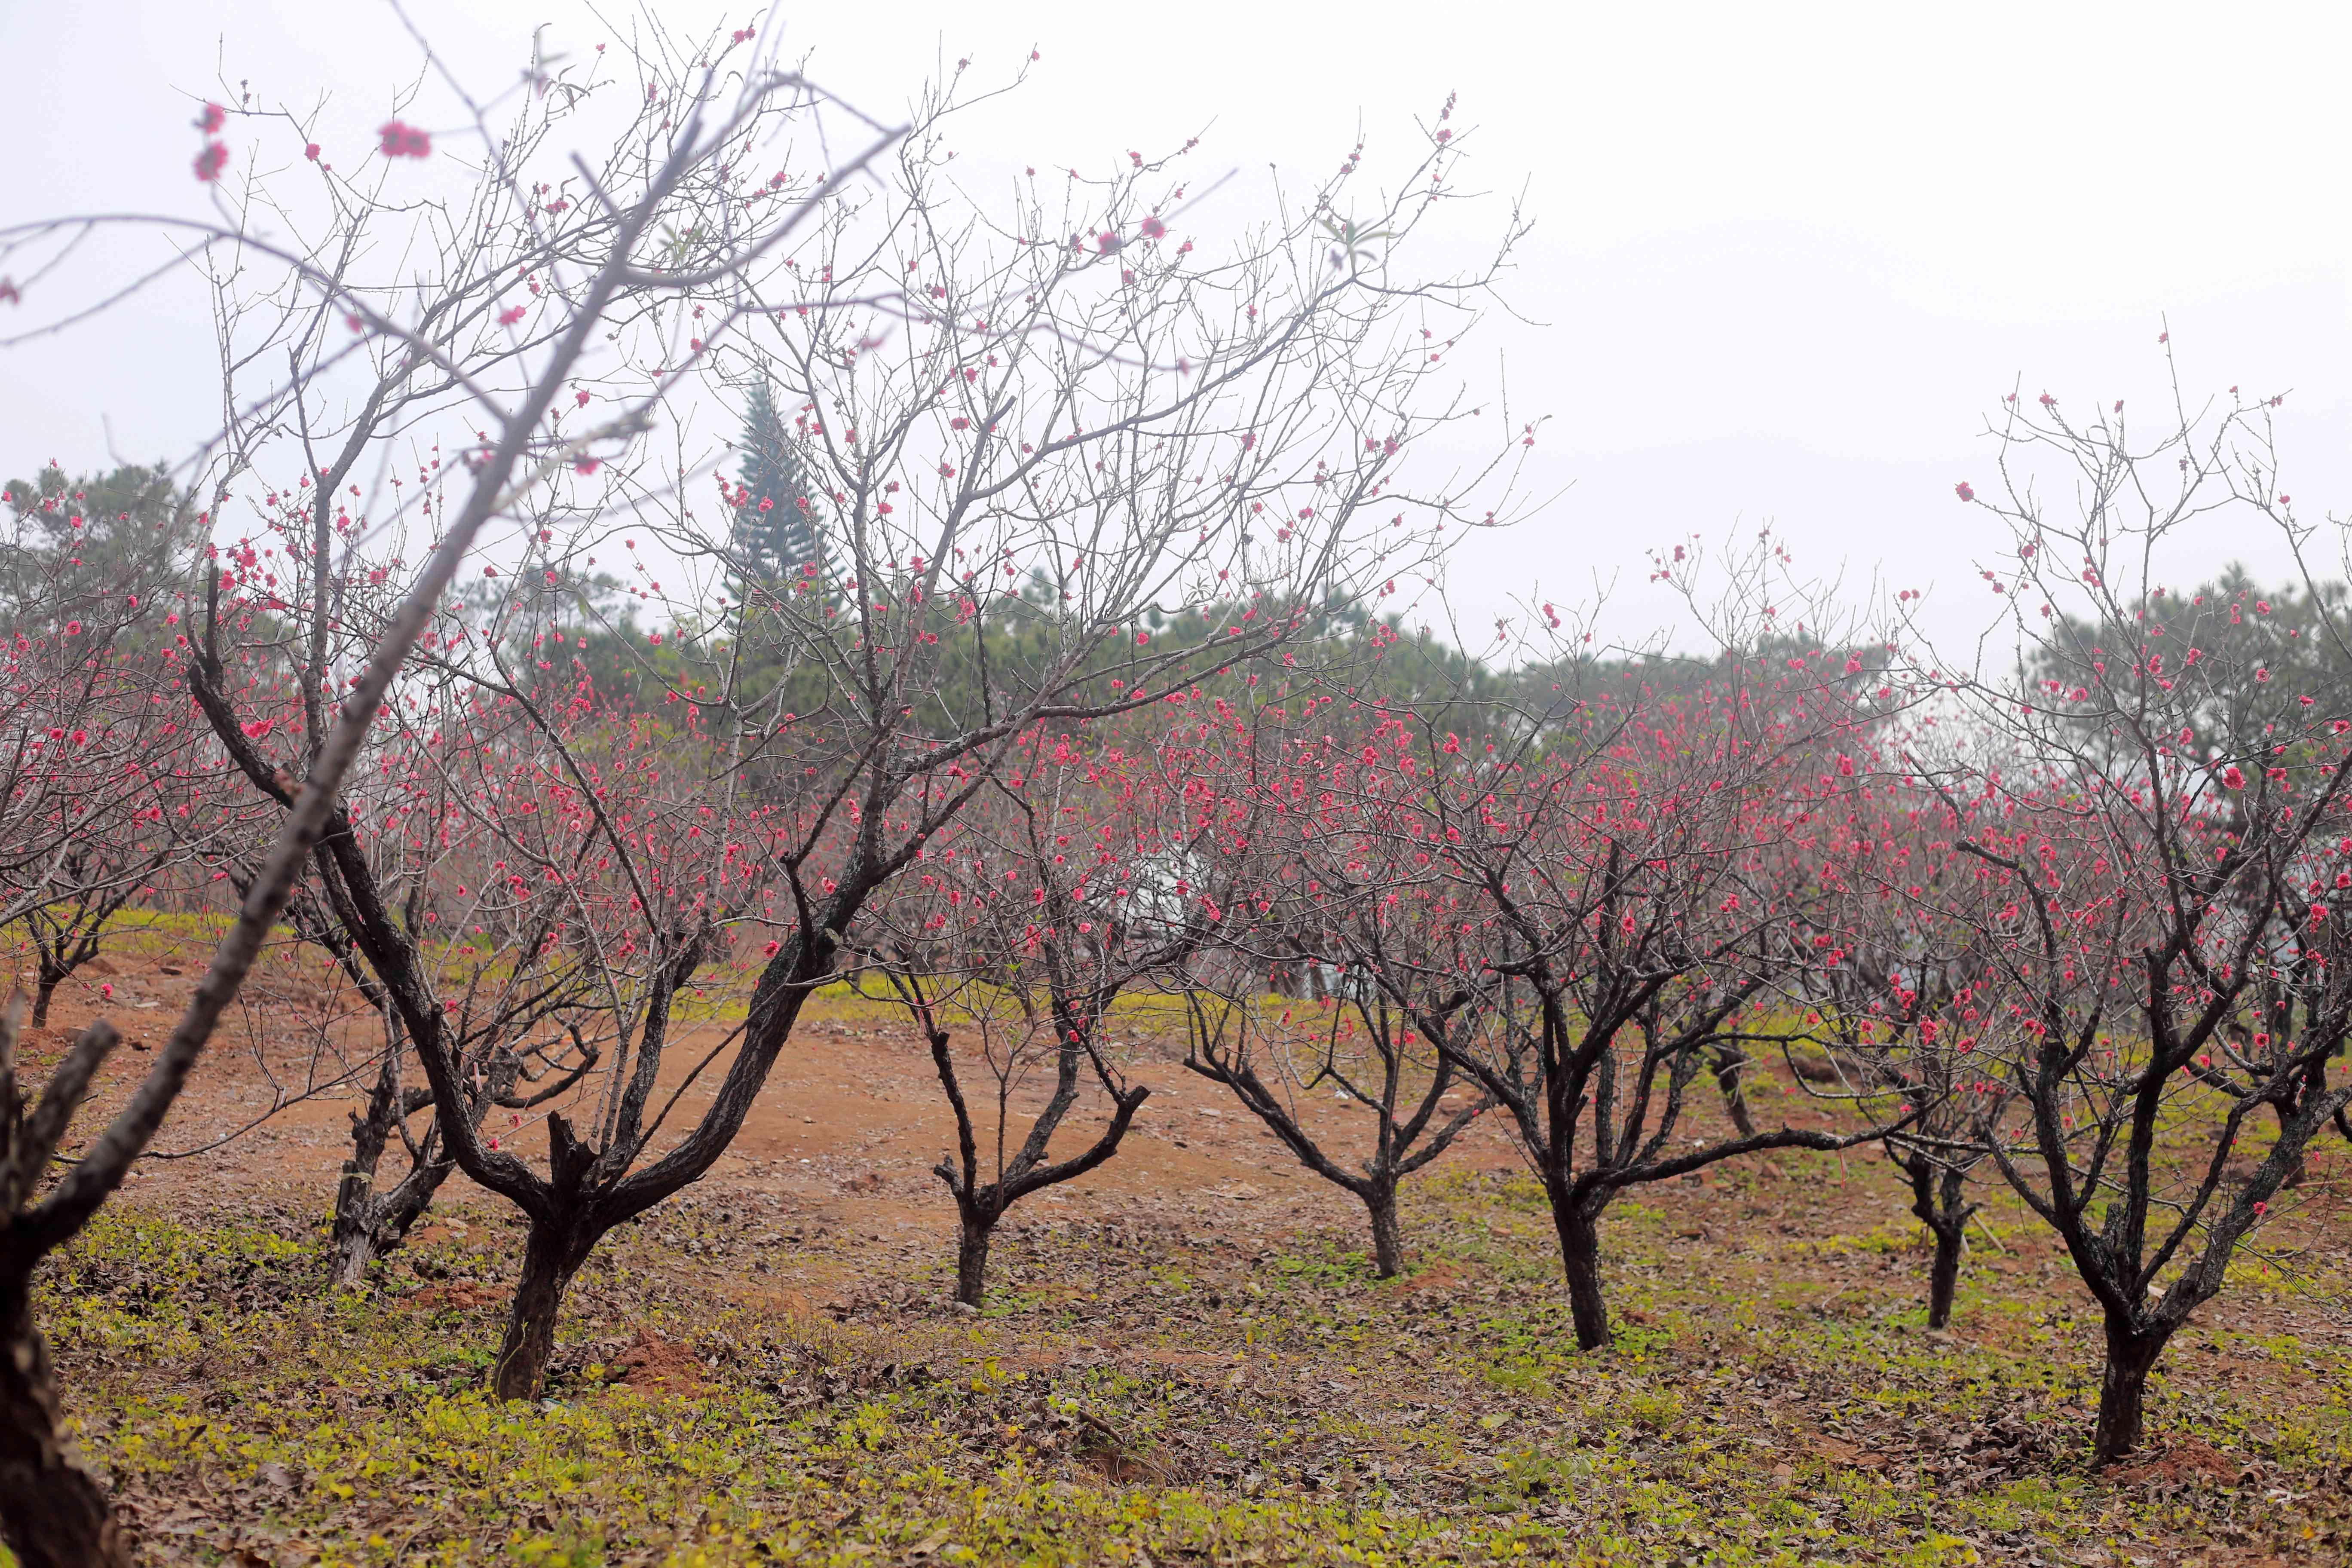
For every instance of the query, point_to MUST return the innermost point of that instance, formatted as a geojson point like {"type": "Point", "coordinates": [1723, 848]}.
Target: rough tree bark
{"type": "Point", "coordinates": [563, 1230]}
{"type": "Point", "coordinates": [2132, 1351]}
{"type": "Point", "coordinates": [51, 1509]}
{"type": "Point", "coordinates": [1579, 1251]}
{"type": "Point", "coordinates": [45, 986]}
{"type": "Point", "coordinates": [1388, 1235]}
{"type": "Point", "coordinates": [57, 1515]}
{"type": "Point", "coordinates": [1939, 1200]}
{"type": "Point", "coordinates": [971, 1259]}
{"type": "Point", "coordinates": [550, 1258]}
{"type": "Point", "coordinates": [369, 1224]}
{"type": "Point", "coordinates": [1944, 1276]}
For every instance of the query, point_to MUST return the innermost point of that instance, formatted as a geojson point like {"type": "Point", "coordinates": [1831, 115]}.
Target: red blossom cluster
{"type": "Point", "coordinates": [400, 140]}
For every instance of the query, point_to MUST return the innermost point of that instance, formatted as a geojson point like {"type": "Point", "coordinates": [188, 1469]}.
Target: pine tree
{"type": "Point", "coordinates": [777, 529]}
{"type": "Point", "coordinates": [73, 542]}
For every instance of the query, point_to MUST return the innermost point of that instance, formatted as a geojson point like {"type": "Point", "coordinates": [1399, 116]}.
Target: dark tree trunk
{"type": "Point", "coordinates": [550, 1257]}
{"type": "Point", "coordinates": [971, 1260]}
{"type": "Point", "coordinates": [2293, 1177]}
{"type": "Point", "coordinates": [2123, 1389]}
{"type": "Point", "coordinates": [1579, 1251]}
{"type": "Point", "coordinates": [1388, 1236]}
{"type": "Point", "coordinates": [1944, 1274]}
{"type": "Point", "coordinates": [1939, 1202]}
{"type": "Point", "coordinates": [369, 1222]}
{"type": "Point", "coordinates": [51, 1511]}
{"type": "Point", "coordinates": [43, 988]}
{"type": "Point", "coordinates": [381, 1222]}
{"type": "Point", "coordinates": [1728, 1070]}
{"type": "Point", "coordinates": [351, 1245]}
{"type": "Point", "coordinates": [561, 1236]}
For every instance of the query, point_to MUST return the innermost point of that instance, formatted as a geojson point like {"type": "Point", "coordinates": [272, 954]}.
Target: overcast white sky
{"type": "Point", "coordinates": [1788, 257]}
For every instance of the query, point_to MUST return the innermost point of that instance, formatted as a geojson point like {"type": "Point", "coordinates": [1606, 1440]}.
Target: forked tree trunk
{"type": "Point", "coordinates": [379, 1223]}
{"type": "Point", "coordinates": [971, 1260]}
{"type": "Point", "coordinates": [1579, 1251]}
{"type": "Point", "coordinates": [51, 1511]}
{"type": "Point", "coordinates": [550, 1258]}
{"type": "Point", "coordinates": [369, 1222]}
{"type": "Point", "coordinates": [1944, 1274]}
{"type": "Point", "coordinates": [2123, 1388]}
{"type": "Point", "coordinates": [351, 1245]}
{"type": "Point", "coordinates": [1939, 1202]}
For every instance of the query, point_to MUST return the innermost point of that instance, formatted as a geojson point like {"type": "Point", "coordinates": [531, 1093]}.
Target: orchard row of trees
{"type": "Point", "coordinates": [1073, 672]}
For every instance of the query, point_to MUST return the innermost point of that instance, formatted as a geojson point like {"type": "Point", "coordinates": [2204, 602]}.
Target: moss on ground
{"type": "Point", "coordinates": [1137, 1394]}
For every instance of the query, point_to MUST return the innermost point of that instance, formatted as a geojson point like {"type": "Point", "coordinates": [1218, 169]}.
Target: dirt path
{"type": "Point", "coordinates": [844, 1136]}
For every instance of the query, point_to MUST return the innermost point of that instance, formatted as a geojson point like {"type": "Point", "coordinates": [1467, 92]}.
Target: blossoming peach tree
{"type": "Point", "coordinates": [532, 266]}
{"type": "Point", "coordinates": [2162, 895]}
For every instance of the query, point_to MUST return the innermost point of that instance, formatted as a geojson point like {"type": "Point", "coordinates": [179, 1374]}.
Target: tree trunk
{"type": "Point", "coordinates": [350, 1249]}
{"type": "Point", "coordinates": [51, 1511]}
{"type": "Point", "coordinates": [1939, 1201]}
{"type": "Point", "coordinates": [351, 1245]}
{"type": "Point", "coordinates": [45, 987]}
{"type": "Point", "coordinates": [2123, 1389]}
{"type": "Point", "coordinates": [1579, 1250]}
{"type": "Point", "coordinates": [396, 1213]}
{"type": "Point", "coordinates": [2293, 1177]}
{"type": "Point", "coordinates": [1944, 1274]}
{"type": "Point", "coordinates": [369, 1222]}
{"type": "Point", "coordinates": [1388, 1238]}
{"type": "Point", "coordinates": [972, 1261]}
{"type": "Point", "coordinates": [548, 1260]}
{"type": "Point", "coordinates": [1735, 1092]}
{"type": "Point", "coordinates": [379, 1224]}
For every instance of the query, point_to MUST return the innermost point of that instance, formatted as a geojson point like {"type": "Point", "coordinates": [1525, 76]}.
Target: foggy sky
{"type": "Point", "coordinates": [1787, 260]}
